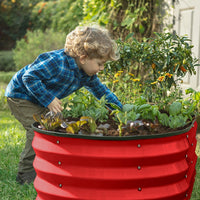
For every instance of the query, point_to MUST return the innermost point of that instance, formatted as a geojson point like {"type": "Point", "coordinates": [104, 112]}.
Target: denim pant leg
{"type": "Point", "coordinates": [23, 111]}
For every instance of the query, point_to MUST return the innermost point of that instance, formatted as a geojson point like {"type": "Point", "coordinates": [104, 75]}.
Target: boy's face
{"type": "Point", "coordinates": [91, 66]}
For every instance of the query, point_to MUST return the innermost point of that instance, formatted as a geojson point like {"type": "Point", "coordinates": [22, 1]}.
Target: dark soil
{"type": "Point", "coordinates": [110, 128]}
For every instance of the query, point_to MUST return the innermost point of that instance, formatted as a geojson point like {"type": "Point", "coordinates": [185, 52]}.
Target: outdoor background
{"type": "Point", "coordinates": [31, 27]}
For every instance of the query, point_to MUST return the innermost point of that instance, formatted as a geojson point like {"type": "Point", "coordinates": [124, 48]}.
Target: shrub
{"type": "Point", "coordinates": [63, 15]}
{"type": "Point", "coordinates": [35, 43]}
{"type": "Point", "coordinates": [6, 76]}
{"type": "Point", "coordinates": [6, 61]}
{"type": "Point", "coordinates": [14, 17]}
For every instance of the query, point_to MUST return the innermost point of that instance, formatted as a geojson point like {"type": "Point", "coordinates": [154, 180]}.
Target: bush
{"type": "Point", "coordinates": [14, 17]}
{"type": "Point", "coordinates": [6, 61]}
{"type": "Point", "coordinates": [35, 43]}
{"type": "Point", "coordinates": [63, 15]}
{"type": "Point", "coordinates": [6, 76]}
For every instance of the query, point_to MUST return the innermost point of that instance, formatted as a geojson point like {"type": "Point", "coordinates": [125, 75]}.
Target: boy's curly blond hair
{"type": "Point", "coordinates": [91, 41]}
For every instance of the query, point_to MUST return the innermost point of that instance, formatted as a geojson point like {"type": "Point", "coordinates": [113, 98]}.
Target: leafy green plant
{"type": "Point", "coordinates": [124, 17]}
{"type": "Point", "coordinates": [83, 103]}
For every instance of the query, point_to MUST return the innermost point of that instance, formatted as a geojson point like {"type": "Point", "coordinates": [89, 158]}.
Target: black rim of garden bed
{"type": "Point", "coordinates": [97, 137]}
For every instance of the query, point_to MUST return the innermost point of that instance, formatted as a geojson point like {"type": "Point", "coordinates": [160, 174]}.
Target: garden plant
{"type": "Point", "coordinates": [153, 102]}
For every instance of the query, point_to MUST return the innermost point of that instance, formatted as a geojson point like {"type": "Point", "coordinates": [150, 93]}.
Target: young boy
{"type": "Point", "coordinates": [38, 87]}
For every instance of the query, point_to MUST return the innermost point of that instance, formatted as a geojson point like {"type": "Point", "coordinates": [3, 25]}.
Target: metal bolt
{"type": "Point", "coordinates": [139, 167]}
{"type": "Point", "coordinates": [187, 136]}
{"type": "Point", "coordinates": [186, 176]}
{"type": "Point", "coordinates": [186, 155]}
{"type": "Point", "coordinates": [138, 145]}
{"type": "Point", "coordinates": [139, 189]}
{"type": "Point", "coordinates": [60, 185]}
{"type": "Point", "coordinates": [58, 142]}
{"type": "Point", "coordinates": [59, 162]}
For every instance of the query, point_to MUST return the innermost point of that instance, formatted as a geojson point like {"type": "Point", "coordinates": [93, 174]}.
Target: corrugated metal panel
{"type": "Point", "coordinates": [88, 169]}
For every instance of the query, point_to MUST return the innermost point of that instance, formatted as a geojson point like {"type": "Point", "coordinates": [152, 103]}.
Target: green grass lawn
{"type": "Point", "coordinates": [12, 138]}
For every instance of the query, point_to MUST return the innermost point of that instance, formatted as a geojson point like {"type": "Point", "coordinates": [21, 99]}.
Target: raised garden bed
{"type": "Point", "coordinates": [145, 167]}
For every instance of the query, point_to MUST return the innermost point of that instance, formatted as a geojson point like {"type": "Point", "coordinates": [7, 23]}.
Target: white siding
{"type": "Point", "coordinates": [187, 22]}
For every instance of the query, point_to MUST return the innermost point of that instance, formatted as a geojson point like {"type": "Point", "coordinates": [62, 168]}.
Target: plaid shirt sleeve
{"type": "Point", "coordinates": [45, 69]}
{"type": "Point", "coordinates": [98, 90]}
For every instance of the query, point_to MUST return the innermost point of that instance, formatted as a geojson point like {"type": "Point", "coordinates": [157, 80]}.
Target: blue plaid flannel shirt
{"type": "Point", "coordinates": [54, 74]}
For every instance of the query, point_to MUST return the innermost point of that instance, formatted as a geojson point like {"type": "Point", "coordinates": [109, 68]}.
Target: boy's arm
{"type": "Point", "coordinates": [43, 69]}
{"type": "Point", "coordinates": [98, 90]}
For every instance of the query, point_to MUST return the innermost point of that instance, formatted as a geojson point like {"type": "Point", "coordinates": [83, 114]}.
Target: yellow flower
{"type": "Point", "coordinates": [135, 79]}
{"type": "Point", "coordinates": [118, 74]}
{"type": "Point", "coordinates": [130, 74]}
{"type": "Point", "coordinates": [161, 78]}
{"type": "Point", "coordinates": [153, 83]}
{"type": "Point", "coordinates": [169, 75]}
{"type": "Point", "coordinates": [115, 81]}
{"type": "Point", "coordinates": [13, 1]}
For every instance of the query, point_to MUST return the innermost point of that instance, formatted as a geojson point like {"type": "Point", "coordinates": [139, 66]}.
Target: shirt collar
{"type": "Point", "coordinates": [74, 66]}
{"type": "Point", "coordinates": [72, 62]}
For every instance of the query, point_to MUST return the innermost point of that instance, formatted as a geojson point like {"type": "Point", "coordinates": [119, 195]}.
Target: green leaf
{"type": "Point", "coordinates": [144, 107]}
{"type": "Point", "coordinates": [132, 116]}
{"type": "Point", "coordinates": [141, 28]}
{"type": "Point", "coordinates": [197, 96]}
{"type": "Point", "coordinates": [189, 91]}
{"type": "Point", "coordinates": [177, 121]}
{"type": "Point", "coordinates": [164, 119]}
{"type": "Point", "coordinates": [114, 106]}
{"type": "Point", "coordinates": [175, 108]}
{"type": "Point", "coordinates": [127, 107]}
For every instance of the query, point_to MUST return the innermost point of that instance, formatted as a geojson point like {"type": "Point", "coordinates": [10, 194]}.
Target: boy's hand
{"type": "Point", "coordinates": [55, 105]}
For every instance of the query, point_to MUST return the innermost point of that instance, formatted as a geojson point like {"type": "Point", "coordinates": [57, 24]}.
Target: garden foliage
{"type": "Point", "coordinates": [63, 15]}
{"type": "Point", "coordinates": [6, 61]}
{"type": "Point", "coordinates": [35, 43]}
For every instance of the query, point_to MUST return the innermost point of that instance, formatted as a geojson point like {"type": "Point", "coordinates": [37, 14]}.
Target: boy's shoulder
{"type": "Point", "coordinates": [54, 53]}
{"type": "Point", "coordinates": [59, 56]}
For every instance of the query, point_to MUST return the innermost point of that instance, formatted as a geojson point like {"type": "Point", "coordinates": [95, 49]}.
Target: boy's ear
{"type": "Point", "coordinates": [82, 59]}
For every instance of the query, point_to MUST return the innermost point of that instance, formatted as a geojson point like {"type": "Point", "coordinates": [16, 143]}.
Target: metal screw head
{"type": "Point", "coordinates": [57, 141]}
{"type": "Point", "coordinates": [139, 145]}
{"type": "Point", "coordinates": [187, 136]}
{"type": "Point", "coordinates": [186, 176]}
{"type": "Point", "coordinates": [139, 167]}
{"type": "Point", "coordinates": [60, 185]}
{"type": "Point", "coordinates": [139, 189]}
{"type": "Point", "coordinates": [186, 155]}
{"type": "Point", "coordinates": [59, 162]}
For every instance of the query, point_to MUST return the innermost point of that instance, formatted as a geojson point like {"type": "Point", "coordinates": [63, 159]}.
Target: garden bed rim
{"type": "Point", "coordinates": [97, 137]}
